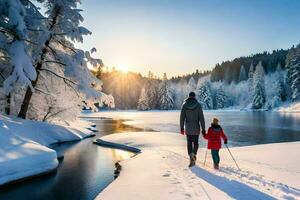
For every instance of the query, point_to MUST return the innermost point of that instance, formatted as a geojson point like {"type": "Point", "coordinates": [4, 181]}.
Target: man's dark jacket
{"type": "Point", "coordinates": [192, 117]}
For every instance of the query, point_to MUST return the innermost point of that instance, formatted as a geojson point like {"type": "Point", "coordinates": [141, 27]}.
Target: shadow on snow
{"type": "Point", "coordinates": [233, 188]}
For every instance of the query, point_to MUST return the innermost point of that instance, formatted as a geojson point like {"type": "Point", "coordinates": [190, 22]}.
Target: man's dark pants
{"type": "Point", "coordinates": [192, 144]}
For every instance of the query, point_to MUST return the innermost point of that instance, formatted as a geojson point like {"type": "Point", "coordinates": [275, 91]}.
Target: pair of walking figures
{"type": "Point", "coordinates": [191, 118]}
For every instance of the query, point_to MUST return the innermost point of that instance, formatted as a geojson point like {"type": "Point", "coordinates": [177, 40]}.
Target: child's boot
{"type": "Point", "coordinates": [216, 166]}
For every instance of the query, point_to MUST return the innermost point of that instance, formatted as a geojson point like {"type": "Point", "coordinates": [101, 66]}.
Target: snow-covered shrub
{"type": "Point", "coordinates": [143, 103]}
{"type": "Point", "coordinates": [204, 96]}
{"type": "Point", "coordinates": [259, 95]}
{"type": "Point", "coordinates": [293, 71]}
{"type": "Point", "coordinates": [166, 99]}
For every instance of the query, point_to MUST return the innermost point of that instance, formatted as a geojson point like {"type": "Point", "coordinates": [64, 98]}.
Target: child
{"type": "Point", "coordinates": [214, 135]}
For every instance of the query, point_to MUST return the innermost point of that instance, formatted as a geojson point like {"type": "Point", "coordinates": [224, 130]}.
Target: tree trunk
{"type": "Point", "coordinates": [8, 101]}
{"type": "Point", "coordinates": [28, 95]}
{"type": "Point", "coordinates": [29, 92]}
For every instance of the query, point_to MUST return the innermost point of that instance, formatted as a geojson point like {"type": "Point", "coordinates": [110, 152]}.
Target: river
{"type": "Point", "coordinates": [243, 127]}
{"type": "Point", "coordinates": [83, 173]}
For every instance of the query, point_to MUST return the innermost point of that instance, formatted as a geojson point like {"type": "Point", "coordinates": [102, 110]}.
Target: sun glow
{"type": "Point", "coordinates": [123, 68]}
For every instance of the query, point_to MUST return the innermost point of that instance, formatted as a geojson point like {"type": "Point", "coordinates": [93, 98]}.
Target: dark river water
{"type": "Point", "coordinates": [84, 172]}
{"type": "Point", "coordinates": [251, 128]}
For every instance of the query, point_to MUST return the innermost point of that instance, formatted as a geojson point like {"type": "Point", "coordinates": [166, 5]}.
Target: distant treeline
{"type": "Point", "coordinates": [229, 71]}
{"type": "Point", "coordinates": [195, 75]}
{"type": "Point", "coordinates": [132, 90]}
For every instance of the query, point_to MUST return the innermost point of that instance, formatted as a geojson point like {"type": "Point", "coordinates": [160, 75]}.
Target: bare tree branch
{"type": "Point", "coordinates": [59, 76]}
{"type": "Point", "coordinates": [34, 30]}
{"type": "Point", "coordinates": [76, 92]}
{"type": "Point", "coordinates": [48, 112]}
{"type": "Point", "coordinates": [52, 115]}
{"type": "Point", "coordinates": [2, 76]}
{"type": "Point", "coordinates": [70, 48]}
{"type": "Point", "coordinates": [59, 33]}
{"type": "Point", "coordinates": [52, 51]}
{"type": "Point", "coordinates": [41, 91]}
{"type": "Point", "coordinates": [5, 57]}
{"type": "Point", "coordinates": [54, 61]}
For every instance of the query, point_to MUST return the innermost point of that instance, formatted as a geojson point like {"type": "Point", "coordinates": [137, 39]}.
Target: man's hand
{"type": "Point", "coordinates": [182, 132]}
{"type": "Point", "coordinates": [203, 132]}
{"type": "Point", "coordinates": [225, 141]}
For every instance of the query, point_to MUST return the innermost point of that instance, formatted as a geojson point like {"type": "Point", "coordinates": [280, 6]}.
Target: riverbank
{"type": "Point", "coordinates": [24, 146]}
{"type": "Point", "coordinates": [160, 171]}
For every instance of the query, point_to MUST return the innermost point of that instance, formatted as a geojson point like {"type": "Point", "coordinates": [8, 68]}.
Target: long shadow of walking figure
{"type": "Point", "coordinates": [233, 188]}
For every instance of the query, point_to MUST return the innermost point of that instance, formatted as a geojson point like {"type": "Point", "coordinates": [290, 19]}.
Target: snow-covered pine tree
{"type": "Point", "coordinates": [250, 79]}
{"type": "Point", "coordinates": [16, 65]}
{"type": "Point", "coordinates": [280, 84]}
{"type": "Point", "coordinates": [151, 92]}
{"type": "Point", "coordinates": [205, 96]}
{"type": "Point", "coordinates": [243, 74]}
{"type": "Point", "coordinates": [166, 100]}
{"type": "Point", "coordinates": [251, 73]}
{"type": "Point", "coordinates": [143, 103]}
{"type": "Point", "coordinates": [191, 85]}
{"type": "Point", "coordinates": [259, 95]}
{"type": "Point", "coordinates": [220, 98]}
{"type": "Point", "coordinates": [293, 71]}
{"type": "Point", "coordinates": [279, 93]}
{"type": "Point", "coordinates": [58, 56]}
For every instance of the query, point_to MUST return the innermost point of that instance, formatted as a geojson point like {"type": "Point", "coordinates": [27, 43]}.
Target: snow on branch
{"type": "Point", "coordinates": [23, 70]}
{"type": "Point", "coordinates": [62, 77]}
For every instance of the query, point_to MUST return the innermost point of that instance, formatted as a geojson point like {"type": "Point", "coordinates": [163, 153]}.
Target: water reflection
{"type": "Point", "coordinates": [121, 155]}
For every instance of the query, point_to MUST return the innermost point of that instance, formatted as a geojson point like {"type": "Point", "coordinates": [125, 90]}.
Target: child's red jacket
{"type": "Point", "coordinates": [214, 135]}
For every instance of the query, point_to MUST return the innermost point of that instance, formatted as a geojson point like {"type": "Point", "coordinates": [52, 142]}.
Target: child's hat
{"type": "Point", "coordinates": [215, 121]}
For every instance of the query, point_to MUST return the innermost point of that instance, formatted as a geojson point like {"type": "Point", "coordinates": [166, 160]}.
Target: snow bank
{"type": "Point", "coordinates": [21, 158]}
{"type": "Point", "coordinates": [160, 171]}
{"type": "Point", "coordinates": [290, 108]}
{"type": "Point", "coordinates": [44, 133]}
{"type": "Point", "coordinates": [23, 150]}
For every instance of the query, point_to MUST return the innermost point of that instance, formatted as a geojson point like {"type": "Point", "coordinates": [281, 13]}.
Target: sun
{"type": "Point", "coordinates": [123, 68]}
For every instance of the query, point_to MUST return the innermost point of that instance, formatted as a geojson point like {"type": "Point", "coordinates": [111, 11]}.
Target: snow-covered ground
{"type": "Point", "coordinates": [290, 108]}
{"type": "Point", "coordinates": [160, 172]}
{"type": "Point", "coordinates": [24, 146]}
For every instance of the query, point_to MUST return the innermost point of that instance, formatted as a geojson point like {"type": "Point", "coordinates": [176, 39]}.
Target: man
{"type": "Point", "coordinates": [192, 117]}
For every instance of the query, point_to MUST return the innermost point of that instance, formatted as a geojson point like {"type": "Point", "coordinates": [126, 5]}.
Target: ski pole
{"type": "Point", "coordinates": [205, 157]}
{"type": "Point", "coordinates": [232, 157]}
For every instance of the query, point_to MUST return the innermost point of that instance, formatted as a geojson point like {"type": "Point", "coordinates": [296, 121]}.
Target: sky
{"type": "Point", "coordinates": [180, 36]}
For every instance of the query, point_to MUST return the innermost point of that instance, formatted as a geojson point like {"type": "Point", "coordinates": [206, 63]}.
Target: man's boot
{"type": "Point", "coordinates": [192, 160]}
